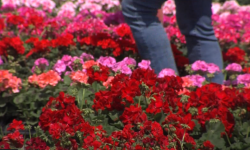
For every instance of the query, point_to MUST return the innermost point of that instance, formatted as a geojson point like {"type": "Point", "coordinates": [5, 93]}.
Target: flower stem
{"type": "Point", "coordinates": [228, 139]}
{"type": "Point", "coordinates": [30, 133]}
{"type": "Point", "coordinates": [183, 138]}
{"type": "Point", "coordinates": [139, 100]}
{"type": "Point", "coordinates": [248, 131]}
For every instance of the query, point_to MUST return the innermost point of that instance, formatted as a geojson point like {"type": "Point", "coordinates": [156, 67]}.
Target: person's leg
{"type": "Point", "coordinates": [194, 21]}
{"type": "Point", "coordinates": [148, 32]}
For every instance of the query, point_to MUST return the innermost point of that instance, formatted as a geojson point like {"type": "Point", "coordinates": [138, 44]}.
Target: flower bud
{"type": "Point", "coordinates": [193, 111]}
{"type": "Point", "coordinates": [205, 109]}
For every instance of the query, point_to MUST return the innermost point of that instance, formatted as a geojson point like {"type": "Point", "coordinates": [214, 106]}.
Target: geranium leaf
{"type": "Point", "coordinates": [67, 80]}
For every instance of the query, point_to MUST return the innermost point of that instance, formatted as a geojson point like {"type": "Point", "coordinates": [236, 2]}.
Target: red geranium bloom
{"type": "Point", "coordinates": [36, 143]}
{"type": "Point", "coordinates": [133, 115]}
{"type": "Point", "coordinates": [208, 144]}
{"type": "Point", "coordinates": [15, 138]}
{"type": "Point", "coordinates": [16, 125]}
{"type": "Point", "coordinates": [2, 25]}
{"type": "Point", "coordinates": [235, 55]}
{"type": "Point", "coordinates": [15, 20]}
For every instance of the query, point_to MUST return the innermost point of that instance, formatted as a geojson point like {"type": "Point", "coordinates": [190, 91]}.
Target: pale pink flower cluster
{"type": "Point", "coordinates": [108, 82]}
{"type": "Point", "coordinates": [47, 5]}
{"type": "Point", "coordinates": [124, 65]}
{"type": "Point", "coordinates": [107, 61]}
{"type": "Point", "coordinates": [67, 61]}
{"type": "Point", "coordinates": [79, 76]}
{"type": "Point", "coordinates": [144, 64]}
{"type": "Point", "coordinates": [49, 78]}
{"type": "Point", "coordinates": [169, 7]}
{"type": "Point", "coordinates": [67, 10]}
{"type": "Point", "coordinates": [166, 72]}
{"type": "Point", "coordinates": [94, 5]}
{"type": "Point", "coordinates": [40, 63]}
{"type": "Point", "coordinates": [197, 80]}
{"type": "Point", "coordinates": [8, 81]}
{"type": "Point", "coordinates": [234, 67]}
{"type": "Point", "coordinates": [11, 3]}
{"type": "Point", "coordinates": [244, 79]}
{"type": "Point", "coordinates": [200, 65]}
{"type": "Point", "coordinates": [187, 82]}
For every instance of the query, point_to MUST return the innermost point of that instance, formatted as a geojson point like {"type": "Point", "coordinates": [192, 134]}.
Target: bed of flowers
{"type": "Point", "coordinates": [71, 78]}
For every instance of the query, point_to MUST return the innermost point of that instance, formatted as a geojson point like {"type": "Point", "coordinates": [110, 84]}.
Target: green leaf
{"type": "Point", "coordinates": [97, 86]}
{"type": "Point", "coordinates": [67, 80]}
{"type": "Point", "coordinates": [118, 125]}
{"type": "Point", "coordinates": [160, 117]}
{"type": "Point", "coordinates": [19, 99]}
{"type": "Point", "coordinates": [244, 130]}
{"type": "Point", "coordinates": [115, 115]}
{"type": "Point", "coordinates": [4, 112]}
{"type": "Point", "coordinates": [213, 134]}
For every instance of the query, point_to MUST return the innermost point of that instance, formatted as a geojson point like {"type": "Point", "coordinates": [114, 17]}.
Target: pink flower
{"type": "Point", "coordinates": [107, 61]}
{"type": "Point", "coordinates": [126, 70]}
{"type": "Point", "coordinates": [108, 82]}
{"type": "Point", "coordinates": [129, 61]}
{"type": "Point", "coordinates": [67, 59]}
{"type": "Point", "coordinates": [199, 66]}
{"type": "Point", "coordinates": [41, 63]}
{"type": "Point", "coordinates": [196, 79]}
{"type": "Point", "coordinates": [60, 66]}
{"type": "Point", "coordinates": [67, 10]}
{"type": "Point", "coordinates": [166, 72]}
{"type": "Point", "coordinates": [216, 8]}
{"type": "Point", "coordinates": [79, 76]}
{"type": "Point", "coordinates": [86, 56]}
{"type": "Point", "coordinates": [212, 68]}
{"type": "Point", "coordinates": [234, 67]}
{"type": "Point", "coordinates": [144, 64]}
{"type": "Point", "coordinates": [243, 79]}
{"type": "Point", "coordinates": [1, 61]}
{"type": "Point", "coordinates": [231, 5]}
{"type": "Point", "coordinates": [122, 67]}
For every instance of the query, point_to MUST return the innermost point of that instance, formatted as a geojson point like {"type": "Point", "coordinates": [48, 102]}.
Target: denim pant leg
{"type": "Point", "coordinates": [194, 20]}
{"type": "Point", "coordinates": [148, 32]}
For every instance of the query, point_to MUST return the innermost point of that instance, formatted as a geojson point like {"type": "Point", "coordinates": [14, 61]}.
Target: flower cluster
{"type": "Point", "coordinates": [8, 81]}
{"type": "Point", "coordinates": [15, 138]}
{"type": "Point", "coordinates": [11, 46]}
{"type": "Point", "coordinates": [48, 78]}
{"type": "Point", "coordinates": [205, 67]}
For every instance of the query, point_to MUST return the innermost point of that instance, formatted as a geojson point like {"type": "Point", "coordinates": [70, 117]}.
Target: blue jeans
{"type": "Point", "coordinates": [194, 21]}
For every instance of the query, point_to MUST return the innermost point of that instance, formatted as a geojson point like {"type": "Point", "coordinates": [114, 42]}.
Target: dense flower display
{"type": "Point", "coordinates": [71, 77]}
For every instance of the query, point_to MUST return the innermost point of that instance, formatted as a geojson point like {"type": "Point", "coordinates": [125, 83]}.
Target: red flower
{"type": "Point", "coordinates": [133, 115]}
{"type": "Point", "coordinates": [156, 105]}
{"type": "Point", "coordinates": [15, 139]}
{"type": "Point", "coordinates": [208, 144]}
{"type": "Point", "coordinates": [39, 46]}
{"type": "Point", "coordinates": [2, 25]}
{"type": "Point", "coordinates": [34, 20]}
{"type": "Point", "coordinates": [55, 130]}
{"type": "Point", "coordinates": [103, 100]}
{"type": "Point", "coordinates": [235, 55]}
{"type": "Point", "coordinates": [4, 145]}
{"type": "Point", "coordinates": [63, 40]}
{"type": "Point", "coordinates": [100, 75]}
{"type": "Point", "coordinates": [15, 20]}
{"type": "Point", "coordinates": [16, 125]}
{"type": "Point", "coordinates": [123, 30]}
{"type": "Point", "coordinates": [11, 43]}
{"type": "Point", "coordinates": [36, 143]}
